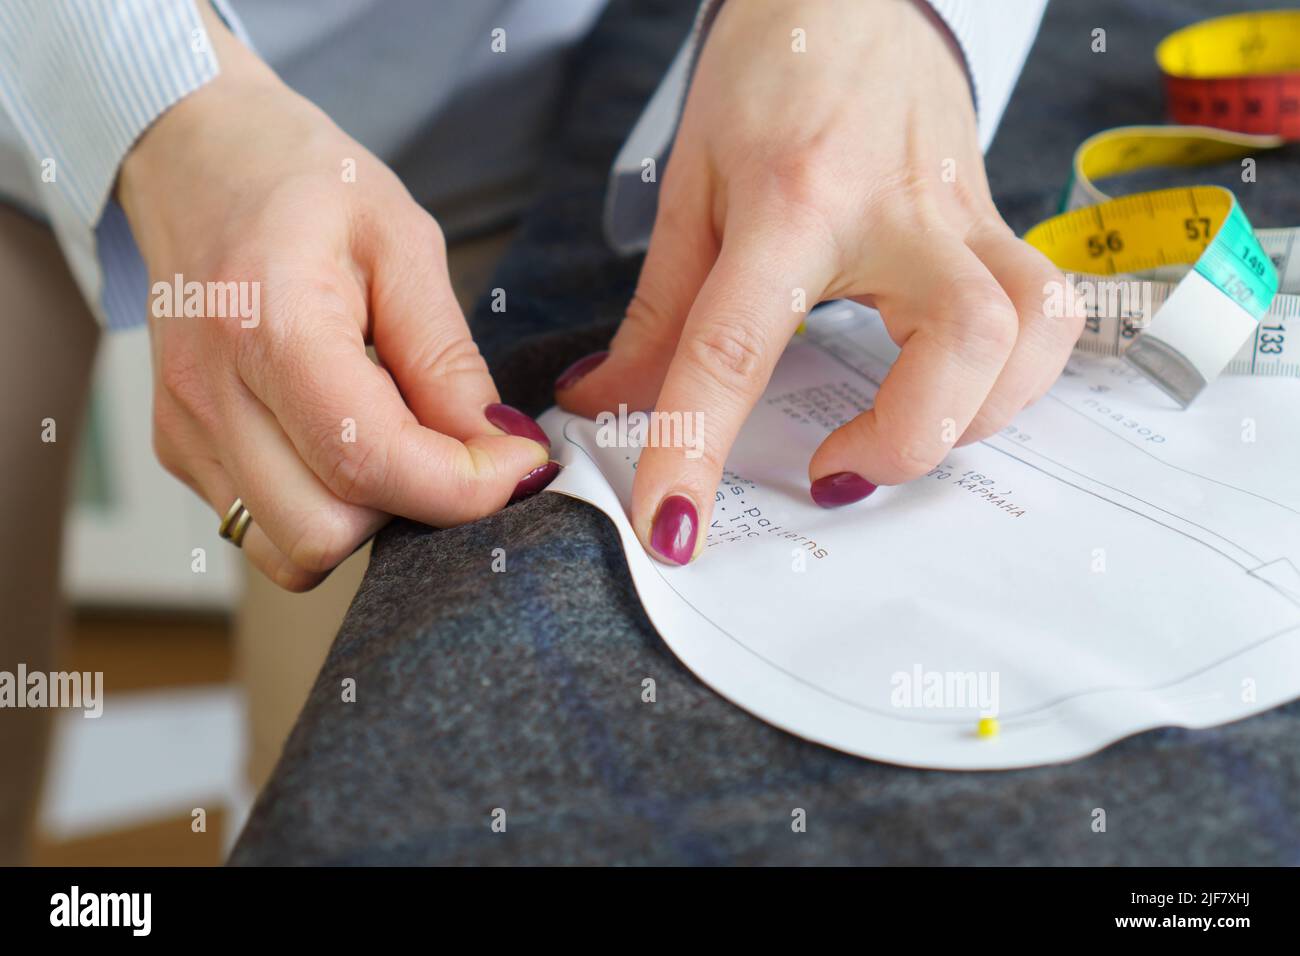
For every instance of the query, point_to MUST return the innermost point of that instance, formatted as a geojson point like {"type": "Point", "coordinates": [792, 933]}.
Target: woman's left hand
{"type": "Point", "coordinates": [850, 170]}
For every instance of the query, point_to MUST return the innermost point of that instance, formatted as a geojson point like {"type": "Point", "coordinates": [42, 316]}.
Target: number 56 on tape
{"type": "Point", "coordinates": [1211, 312]}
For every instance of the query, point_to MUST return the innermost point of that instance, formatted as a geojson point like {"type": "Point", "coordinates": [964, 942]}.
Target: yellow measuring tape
{"type": "Point", "coordinates": [1176, 280]}
{"type": "Point", "coordinates": [1175, 328]}
{"type": "Point", "coordinates": [1238, 73]}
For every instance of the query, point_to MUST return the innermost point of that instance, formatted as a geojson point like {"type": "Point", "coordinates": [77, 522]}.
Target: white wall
{"type": "Point", "coordinates": [138, 551]}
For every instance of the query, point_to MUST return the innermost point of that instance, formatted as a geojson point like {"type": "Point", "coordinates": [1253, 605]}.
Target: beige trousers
{"type": "Point", "coordinates": [46, 362]}
{"type": "Point", "coordinates": [46, 357]}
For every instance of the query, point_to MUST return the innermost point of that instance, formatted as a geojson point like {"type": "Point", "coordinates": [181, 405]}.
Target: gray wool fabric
{"type": "Point", "coordinates": [521, 691]}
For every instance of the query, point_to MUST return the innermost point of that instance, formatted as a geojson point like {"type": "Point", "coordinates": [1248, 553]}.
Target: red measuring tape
{"type": "Point", "coordinates": [1240, 72]}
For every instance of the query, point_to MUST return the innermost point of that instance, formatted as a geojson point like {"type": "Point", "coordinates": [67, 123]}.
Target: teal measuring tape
{"type": "Point", "coordinates": [1218, 295]}
{"type": "Point", "coordinates": [1236, 264]}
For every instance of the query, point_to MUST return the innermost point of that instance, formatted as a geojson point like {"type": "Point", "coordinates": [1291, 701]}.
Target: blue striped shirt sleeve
{"type": "Point", "coordinates": [80, 81]}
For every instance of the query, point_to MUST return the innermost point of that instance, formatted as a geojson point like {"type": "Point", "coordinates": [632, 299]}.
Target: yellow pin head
{"type": "Point", "coordinates": [987, 727]}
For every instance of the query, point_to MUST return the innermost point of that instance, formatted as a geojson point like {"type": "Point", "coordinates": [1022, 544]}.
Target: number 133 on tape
{"type": "Point", "coordinates": [1201, 322]}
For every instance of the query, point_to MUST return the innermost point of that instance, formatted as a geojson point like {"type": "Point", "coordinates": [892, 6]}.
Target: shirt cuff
{"type": "Point", "coordinates": [994, 39]}
{"type": "Point", "coordinates": [88, 78]}
{"type": "Point", "coordinates": [81, 80]}
{"type": "Point", "coordinates": [633, 192]}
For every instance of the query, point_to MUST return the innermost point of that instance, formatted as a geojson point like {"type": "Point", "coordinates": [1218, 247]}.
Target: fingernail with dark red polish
{"type": "Point", "coordinates": [571, 375]}
{"type": "Point", "coordinates": [514, 422]}
{"type": "Point", "coordinates": [842, 488]}
{"type": "Point", "coordinates": [674, 529]}
{"type": "Point", "coordinates": [535, 481]}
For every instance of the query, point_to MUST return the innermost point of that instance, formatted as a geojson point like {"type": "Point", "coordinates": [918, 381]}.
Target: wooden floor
{"type": "Point", "coordinates": [164, 843]}
{"type": "Point", "coordinates": [147, 652]}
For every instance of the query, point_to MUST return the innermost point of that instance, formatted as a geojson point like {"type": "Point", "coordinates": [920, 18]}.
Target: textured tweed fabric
{"type": "Point", "coordinates": [521, 691]}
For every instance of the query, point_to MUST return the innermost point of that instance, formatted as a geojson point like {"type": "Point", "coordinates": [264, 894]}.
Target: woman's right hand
{"type": "Point", "coordinates": [245, 182]}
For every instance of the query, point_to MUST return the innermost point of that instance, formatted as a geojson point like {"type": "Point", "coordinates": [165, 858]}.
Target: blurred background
{"type": "Point", "coordinates": [206, 668]}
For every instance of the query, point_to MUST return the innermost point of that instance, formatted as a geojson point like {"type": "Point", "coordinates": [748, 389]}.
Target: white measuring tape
{"type": "Point", "coordinates": [1208, 284]}
{"type": "Point", "coordinates": [1266, 348]}
{"type": "Point", "coordinates": [1219, 296]}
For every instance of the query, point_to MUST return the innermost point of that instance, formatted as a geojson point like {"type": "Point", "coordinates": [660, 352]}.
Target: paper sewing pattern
{"type": "Point", "coordinates": [1106, 565]}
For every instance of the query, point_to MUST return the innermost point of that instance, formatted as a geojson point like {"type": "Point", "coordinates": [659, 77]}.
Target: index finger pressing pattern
{"type": "Point", "coordinates": [962, 335]}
